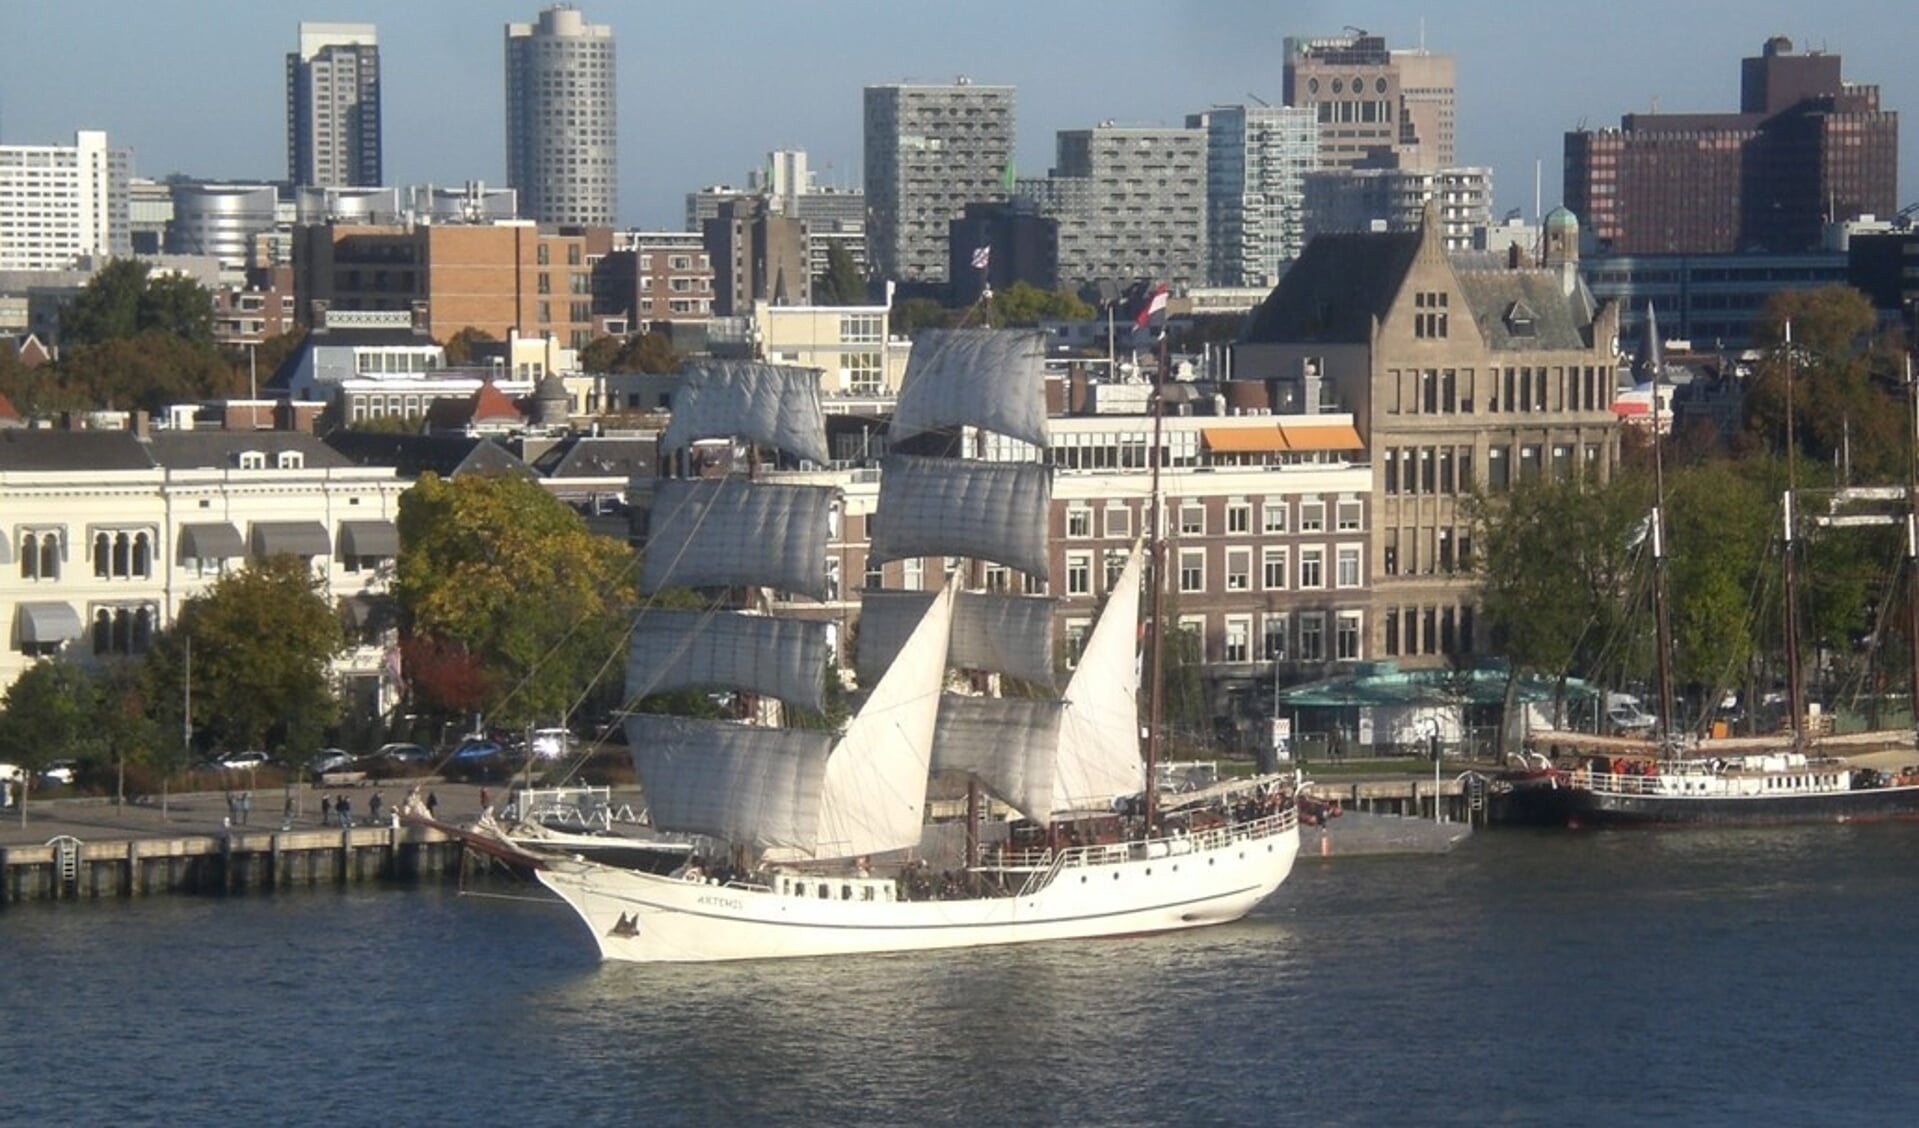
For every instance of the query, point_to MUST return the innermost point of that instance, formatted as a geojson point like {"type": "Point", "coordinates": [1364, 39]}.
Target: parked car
{"type": "Point", "coordinates": [403, 753]}
{"type": "Point", "coordinates": [60, 773]}
{"type": "Point", "coordinates": [331, 760]}
{"type": "Point", "coordinates": [552, 743]}
{"type": "Point", "coordinates": [244, 761]}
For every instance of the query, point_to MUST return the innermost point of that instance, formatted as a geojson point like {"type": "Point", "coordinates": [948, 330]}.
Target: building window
{"type": "Point", "coordinates": [1429, 318]}
{"type": "Point", "coordinates": [1391, 631]}
{"type": "Point", "coordinates": [122, 554]}
{"type": "Point", "coordinates": [1079, 522]}
{"type": "Point", "coordinates": [1192, 520]}
{"type": "Point", "coordinates": [998, 577]}
{"type": "Point", "coordinates": [1346, 637]}
{"type": "Point", "coordinates": [1076, 631]}
{"type": "Point", "coordinates": [1115, 564]}
{"type": "Point", "coordinates": [1312, 517]}
{"type": "Point", "coordinates": [1346, 566]}
{"type": "Point", "coordinates": [1312, 568]}
{"type": "Point", "coordinates": [1273, 517]}
{"type": "Point", "coordinates": [40, 554]}
{"type": "Point", "coordinates": [865, 376]}
{"type": "Point", "coordinates": [1239, 632]}
{"type": "Point", "coordinates": [1349, 516]}
{"type": "Point", "coordinates": [1273, 638]}
{"type": "Point", "coordinates": [832, 579]}
{"type": "Point", "coordinates": [1312, 638]}
{"type": "Point", "coordinates": [913, 574]}
{"type": "Point", "coordinates": [122, 630]}
{"type": "Point", "coordinates": [1119, 522]}
{"type": "Point", "coordinates": [1192, 570]}
{"type": "Point", "coordinates": [1239, 569]}
{"type": "Point", "coordinates": [1079, 573]}
{"type": "Point", "coordinates": [1239, 517]}
{"type": "Point", "coordinates": [1272, 567]}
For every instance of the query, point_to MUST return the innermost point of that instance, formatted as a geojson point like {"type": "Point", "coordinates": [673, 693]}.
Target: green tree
{"type": "Point", "coordinates": [459, 347]}
{"type": "Point", "coordinates": [1847, 399]}
{"type": "Point", "coordinates": [641, 352]}
{"type": "Point", "coordinates": [510, 574]}
{"type": "Point", "coordinates": [148, 371]}
{"type": "Point", "coordinates": [262, 641]}
{"type": "Point", "coordinates": [51, 712]}
{"type": "Point", "coordinates": [124, 299]}
{"type": "Point", "coordinates": [1023, 304]}
{"type": "Point", "coordinates": [914, 314]}
{"type": "Point", "coordinates": [842, 284]}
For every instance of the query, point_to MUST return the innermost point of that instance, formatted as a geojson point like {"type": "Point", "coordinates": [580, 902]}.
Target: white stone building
{"type": "Point", "coordinates": [62, 203]}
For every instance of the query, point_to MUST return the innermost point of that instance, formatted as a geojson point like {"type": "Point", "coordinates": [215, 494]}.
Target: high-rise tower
{"type": "Point", "coordinates": [562, 136]}
{"type": "Point", "coordinates": [1376, 107]}
{"type": "Point", "coordinates": [930, 151]}
{"type": "Point", "coordinates": [333, 106]}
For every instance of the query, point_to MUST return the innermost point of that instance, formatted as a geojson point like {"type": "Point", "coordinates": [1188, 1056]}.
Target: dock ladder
{"type": "Point", "coordinates": [66, 860]}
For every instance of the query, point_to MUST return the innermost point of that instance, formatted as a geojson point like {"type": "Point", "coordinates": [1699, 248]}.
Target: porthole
{"type": "Point", "coordinates": [1149, 871]}
{"type": "Point", "coordinates": [1115, 875]}
{"type": "Point", "coordinates": [1379, 84]}
{"type": "Point", "coordinates": [1082, 879]}
{"type": "Point", "coordinates": [1339, 85]}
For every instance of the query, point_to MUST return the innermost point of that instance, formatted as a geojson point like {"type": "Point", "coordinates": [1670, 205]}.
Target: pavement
{"type": "Point", "coordinates": [94, 819]}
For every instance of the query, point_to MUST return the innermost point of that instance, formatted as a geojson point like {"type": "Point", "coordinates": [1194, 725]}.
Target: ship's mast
{"type": "Point", "coordinates": [1157, 548]}
{"type": "Point", "coordinates": [1912, 534]}
{"type": "Point", "coordinates": [1662, 615]}
{"type": "Point", "coordinates": [1795, 692]}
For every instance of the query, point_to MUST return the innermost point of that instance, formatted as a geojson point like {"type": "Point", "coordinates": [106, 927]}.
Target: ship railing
{"type": "Point", "coordinates": [1045, 865]}
{"type": "Point", "coordinates": [1618, 783]}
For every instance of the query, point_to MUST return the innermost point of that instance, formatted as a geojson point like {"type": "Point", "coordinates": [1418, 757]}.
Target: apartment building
{"type": "Point", "coordinates": [61, 204]}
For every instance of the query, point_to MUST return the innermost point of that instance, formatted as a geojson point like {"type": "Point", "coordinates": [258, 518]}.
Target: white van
{"type": "Point", "coordinates": [1624, 713]}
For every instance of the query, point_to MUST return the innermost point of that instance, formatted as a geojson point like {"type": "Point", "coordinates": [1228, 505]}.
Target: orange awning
{"type": "Point", "coordinates": [1263, 439]}
{"type": "Point", "coordinates": [1321, 436]}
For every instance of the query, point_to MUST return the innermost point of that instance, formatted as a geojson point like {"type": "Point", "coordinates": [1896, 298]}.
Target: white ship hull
{"type": "Point", "coordinates": [1123, 889]}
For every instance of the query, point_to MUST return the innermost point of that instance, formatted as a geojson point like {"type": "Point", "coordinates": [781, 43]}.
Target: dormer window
{"type": "Point", "coordinates": [1519, 319]}
{"type": "Point", "coordinates": [250, 460]}
{"type": "Point", "coordinates": [290, 460]}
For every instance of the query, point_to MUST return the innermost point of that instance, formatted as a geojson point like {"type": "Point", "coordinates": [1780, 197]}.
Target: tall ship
{"type": "Point", "coordinates": [1675, 778]}
{"type": "Point", "coordinates": [817, 835]}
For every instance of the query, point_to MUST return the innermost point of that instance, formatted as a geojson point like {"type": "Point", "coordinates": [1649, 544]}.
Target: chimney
{"type": "Point", "coordinates": [141, 424]}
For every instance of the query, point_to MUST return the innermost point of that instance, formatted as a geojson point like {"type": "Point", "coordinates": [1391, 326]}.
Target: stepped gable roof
{"type": "Point", "coordinates": [198, 450]}
{"type": "Point", "coordinates": [589, 457]}
{"type": "Point", "coordinates": [448, 456]}
{"type": "Point", "coordinates": [1559, 320]}
{"type": "Point", "coordinates": [1340, 284]}
{"type": "Point", "coordinates": [38, 450]}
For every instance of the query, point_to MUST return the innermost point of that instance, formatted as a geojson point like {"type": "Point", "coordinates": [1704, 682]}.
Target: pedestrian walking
{"type": "Point", "coordinates": [246, 807]}
{"type": "Point", "coordinates": [345, 807]}
{"type": "Point", "coordinates": [432, 805]}
{"type": "Point", "coordinates": [326, 810]}
{"type": "Point", "coordinates": [483, 799]}
{"type": "Point", "coordinates": [233, 809]}
{"type": "Point", "coordinates": [373, 807]}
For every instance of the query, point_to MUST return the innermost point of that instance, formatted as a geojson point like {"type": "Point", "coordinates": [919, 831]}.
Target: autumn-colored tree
{"type": "Point", "coordinates": [459, 347]}
{"type": "Point", "coordinates": [642, 352]}
{"type": "Point", "coordinates": [1847, 400]}
{"type": "Point", "coordinates": [444, 677]}
{"type": "Point", "coordinates": [148, 372]}
{"type": "Point", "coordinates": [504, 570]}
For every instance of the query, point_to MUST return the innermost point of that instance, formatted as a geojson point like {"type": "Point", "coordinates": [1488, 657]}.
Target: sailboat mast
{"type": "Point", "coordinates": [1154, 689]}
{"type": "Point", "coordinates": [1795, 692]}
{"type": "Point", "coordinates": [1662, 615]}
{"type": "Point", "coordinates": [1912, 535]}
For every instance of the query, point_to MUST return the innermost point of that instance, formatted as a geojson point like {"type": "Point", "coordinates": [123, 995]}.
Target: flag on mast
{"type": "Point", "coordinates": [982, 257]}
{"type": "Point", "coordinates": [1007, 178]}
{"type": "Point", "coordinates": [1150, 322]}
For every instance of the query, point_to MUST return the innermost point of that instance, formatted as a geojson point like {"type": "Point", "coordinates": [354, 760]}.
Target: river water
{"type": "Point", "coordinates": [1709, 977]}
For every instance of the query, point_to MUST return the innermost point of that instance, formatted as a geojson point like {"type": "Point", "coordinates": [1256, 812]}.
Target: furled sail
{"type": "Point", "coordinates": [992, 379]}
{"type": "Point", "coordinates": [729, 532]}
{"type": "Point", "coordinates": [783, 658]}
{"type": "Point", "coordinates": [1099, 734]}
{"type": "Point", "coordinates": [992, 632]}
{"type": "Point", "coordinates": [751, 785]}
{"type": "Point", "coordinates": [1006, 743]}
{"type": "Point", "coordinates": [770, 404]}
{"type": "Point", "coordinates": [993, 511]}
{"type": "Point", "coordinates": [875, 792]}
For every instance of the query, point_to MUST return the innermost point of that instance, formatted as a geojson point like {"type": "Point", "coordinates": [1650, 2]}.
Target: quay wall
{"type": "Point", "coordinates": [233, 862]}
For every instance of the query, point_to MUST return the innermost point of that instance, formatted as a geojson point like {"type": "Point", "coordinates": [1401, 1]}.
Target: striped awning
{"type": "Point", "coordinates": [369, 538]}
{"type": "Point", "coordinates": [217, 541]}
{"type": "Point", "coordinates": [293, 538]}
{"type": "Point", "coordinates": [48, 622]}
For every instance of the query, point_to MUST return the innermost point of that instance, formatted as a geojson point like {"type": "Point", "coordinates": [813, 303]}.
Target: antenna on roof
{"type": "Point", "coordinates": [1259, 99]}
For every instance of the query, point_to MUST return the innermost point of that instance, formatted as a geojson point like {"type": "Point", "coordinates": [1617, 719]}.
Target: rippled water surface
{"type": "Point", "coordinates": [1686, 978]}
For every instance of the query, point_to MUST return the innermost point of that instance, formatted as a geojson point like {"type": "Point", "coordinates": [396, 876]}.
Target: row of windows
{"type": "Point", "coordinates": [1274, 517]}
{"type": "Point", "coordinates": [1427, 630]}
{"type": "Point", "coordinates": [1283, 636]}
{"type": "Point", "coordinates": [1525, 389]}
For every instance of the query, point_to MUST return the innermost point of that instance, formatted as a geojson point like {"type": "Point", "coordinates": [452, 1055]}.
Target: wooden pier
{"type": "Point", "coordinates": [233, 861]}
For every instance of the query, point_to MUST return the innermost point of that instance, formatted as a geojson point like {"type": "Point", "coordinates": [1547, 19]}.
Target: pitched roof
{"type": "Point", "coordinates": [195, 450]}
{"type": "Point", "coordinates": [587, 457]}
{"type": "Point", "coordinates": [413, 455]}
{"type": "Point", "coordinates": [1560, 319]}
{"type": "Point", "coordinates": [1335, 290]}
{"type": "Point", "coordinates": [53, 451]}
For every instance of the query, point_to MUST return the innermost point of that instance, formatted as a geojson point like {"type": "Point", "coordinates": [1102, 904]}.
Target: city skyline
{"type": "Point", "coordinates": [701, 102]}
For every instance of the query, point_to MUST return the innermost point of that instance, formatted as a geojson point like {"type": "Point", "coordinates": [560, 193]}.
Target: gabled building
{"type": "Point", "coordinates": [1458, 379]}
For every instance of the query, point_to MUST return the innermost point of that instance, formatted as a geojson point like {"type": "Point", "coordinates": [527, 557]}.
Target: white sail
{"type": "Point", "coordinates": [728, 532]}
{"type": "Point", "coordinates": [1006, 743]}
{"type": "Point", "coordinates": [770, 404]}
{"type": "Point", "coordinates": [993, 511]}
{"type": "Point", "coordinates": [992, 632]}
{"type": "Point", "coordinates": [783, 658]}
{"type": "Point", "coordinates": [1099, 733]}
{"type": "Point", "coordinates": [875, 792]}
{"type": "Point", "coordinates": [745, 784]}
{"type": "Point", "coordinates": [992, 379]}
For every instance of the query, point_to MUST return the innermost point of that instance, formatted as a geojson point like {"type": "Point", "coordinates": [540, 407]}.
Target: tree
{"type": "Point", "coordinates": [499, 567]}
{"type": "Point", "coordinates": [149, 372]}
{"type": "Point", "coordinates": [1845, 383]}
{"type": "Point", "coordinates": [123, 299]}
{"type": "Point", "coordinates": [1025, 304]}
{"type": "Point", "coordinates": [914, 314]}
{"type": "Point", "coordinates": [842, 284]}
{"type": "Point", "coordinates": [262, 640]}
{"type": "Point", "coordinates": [459, 347]}
{"type": "Point", "coordinates": [641, 352]}
{"type": "Point", "coordinates": [51, 713]}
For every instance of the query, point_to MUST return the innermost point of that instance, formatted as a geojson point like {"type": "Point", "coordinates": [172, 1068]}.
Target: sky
{"type": "Point", "coordinates": [708, 87]}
